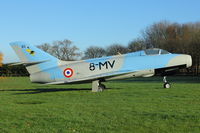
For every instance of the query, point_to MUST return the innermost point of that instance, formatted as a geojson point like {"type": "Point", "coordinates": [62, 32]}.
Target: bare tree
{"type": "Point", "coordinates": [94, 52]}
{"type": "Point", "coordinates": [135, 45]}
{"type": "Point", "coordinates": [194, 51]}
{"type": "Point", "coordinates": [45, 47]}
{"type": "Point", "coordinates": [116, 49]}
{"type": "Point", "coordinates": [1, 59]}
{"type": "Point", "coordinates": [63, 50]}
{"type": "Point", "coordinates": [155, 35]}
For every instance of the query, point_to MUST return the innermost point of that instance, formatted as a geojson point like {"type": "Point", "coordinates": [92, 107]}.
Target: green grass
{"type": "Point", "coordinates": [138, 105]}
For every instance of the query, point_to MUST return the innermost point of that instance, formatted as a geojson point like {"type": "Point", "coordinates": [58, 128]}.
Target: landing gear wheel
{"type": "Point", "coordinates": [167, 85]}
{"type": "Point", "coordinates": [101, 87]}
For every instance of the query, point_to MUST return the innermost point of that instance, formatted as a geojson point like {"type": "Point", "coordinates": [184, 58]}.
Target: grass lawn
{"type": "Point", "coordinates": [137, 105]}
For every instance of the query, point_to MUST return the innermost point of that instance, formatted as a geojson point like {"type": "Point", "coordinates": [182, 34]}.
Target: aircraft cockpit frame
{"type": "Point", "coordinates": [155, 51]}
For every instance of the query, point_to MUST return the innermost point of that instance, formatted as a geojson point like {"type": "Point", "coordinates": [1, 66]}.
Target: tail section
{"type": "Point", "coordinates": [29, 54]}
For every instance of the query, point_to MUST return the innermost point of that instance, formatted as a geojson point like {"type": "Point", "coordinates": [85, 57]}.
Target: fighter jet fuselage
{"type": "Point", "coordinates": [44, 68]}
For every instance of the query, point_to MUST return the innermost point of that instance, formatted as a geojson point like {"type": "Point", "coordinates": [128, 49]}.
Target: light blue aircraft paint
{"type": "Point", "coordinates": [44, 68]}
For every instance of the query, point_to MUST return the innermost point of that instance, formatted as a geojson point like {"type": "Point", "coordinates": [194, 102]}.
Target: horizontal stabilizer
{"type": "Point", "coordinates": [25, 63]}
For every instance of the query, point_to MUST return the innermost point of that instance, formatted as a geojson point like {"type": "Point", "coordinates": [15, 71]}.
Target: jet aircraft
{"type": "Point", "coordinates": [46, 69]}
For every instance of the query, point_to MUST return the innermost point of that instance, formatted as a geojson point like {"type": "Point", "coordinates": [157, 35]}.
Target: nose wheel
{"type": "Point", "coordinates": [166, 83]}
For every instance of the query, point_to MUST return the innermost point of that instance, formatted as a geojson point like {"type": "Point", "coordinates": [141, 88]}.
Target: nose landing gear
{"type": "Point", "coordinates": [166, 83]}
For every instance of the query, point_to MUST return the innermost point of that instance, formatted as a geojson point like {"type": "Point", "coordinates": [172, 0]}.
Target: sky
{"type": "Point", "coordinates": [86, 22]}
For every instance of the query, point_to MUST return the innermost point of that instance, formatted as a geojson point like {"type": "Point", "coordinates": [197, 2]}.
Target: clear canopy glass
{"type": "Point", "coordinates": [155, 51]}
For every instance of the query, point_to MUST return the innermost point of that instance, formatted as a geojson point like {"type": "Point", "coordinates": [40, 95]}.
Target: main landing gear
{"type": "Point", "coordinates": [97, 86]}
{"type": "Point", "coordinates": [166, 84]}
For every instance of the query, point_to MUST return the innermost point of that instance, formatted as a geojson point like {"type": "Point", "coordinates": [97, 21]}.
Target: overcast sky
{"type": "Point", "coordinates": [86, 22]}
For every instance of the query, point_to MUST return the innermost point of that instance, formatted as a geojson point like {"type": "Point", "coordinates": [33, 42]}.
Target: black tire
{"type": "Point", "coordinates": [102, 87]}
{"type": "Point", "coordinates": [167, 85]}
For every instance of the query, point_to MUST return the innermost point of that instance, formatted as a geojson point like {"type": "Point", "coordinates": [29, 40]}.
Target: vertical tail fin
{"type": "Point", "coordinates": [29, 53]}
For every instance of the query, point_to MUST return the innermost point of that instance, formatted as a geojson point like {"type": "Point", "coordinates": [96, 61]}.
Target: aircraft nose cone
{"type": "Point", "coordinates": [188, 60]}
{"type": "Point", "coordinates": [180, 60]}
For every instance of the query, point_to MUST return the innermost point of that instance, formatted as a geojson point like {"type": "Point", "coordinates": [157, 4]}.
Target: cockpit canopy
{"type": "Point", "coordinates": [155, 51]}
{"type": "Point", "coordinates": [149, 52]}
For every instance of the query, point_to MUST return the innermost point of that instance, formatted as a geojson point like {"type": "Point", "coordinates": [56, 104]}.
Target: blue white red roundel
{"type": "Point", "coordinates": [68, 72]}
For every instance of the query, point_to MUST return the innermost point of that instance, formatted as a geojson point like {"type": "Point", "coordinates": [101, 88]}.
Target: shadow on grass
{"type": "Point", "coordinates": [43, 90]}
{"type": "Point", "coordinates": [30, 102]}
{"type": "Point", "coordinates": [173, 79]}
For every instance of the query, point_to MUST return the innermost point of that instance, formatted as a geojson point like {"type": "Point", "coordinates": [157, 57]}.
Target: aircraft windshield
{"type": "Point", "coordinates": [155, 52]}
{"type": "Point", "coordinates": [164, 52]}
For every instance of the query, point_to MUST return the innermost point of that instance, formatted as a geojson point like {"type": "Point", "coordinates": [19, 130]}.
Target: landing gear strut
{"type": "Point", "coordinates": [166, 84]}
{"type": "Point", "coordinates": [97, 86]}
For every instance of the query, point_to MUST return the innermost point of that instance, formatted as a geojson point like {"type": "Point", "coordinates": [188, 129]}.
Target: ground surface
{"type": "Point", "coordinates": [131, 106]}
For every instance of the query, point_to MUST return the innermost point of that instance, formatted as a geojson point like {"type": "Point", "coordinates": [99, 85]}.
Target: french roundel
{"type": "Point", "coordinates": [68, 72]}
